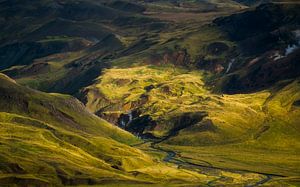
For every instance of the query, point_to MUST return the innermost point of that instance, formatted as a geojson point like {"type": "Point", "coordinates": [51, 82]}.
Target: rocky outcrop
{"type": "Point", "coordinates": [265, 18]}
{"type": "Point", "coordinates": [267, 47]}
{"type": "Point", "coordinates": [263, 73]}
{"type": "Point", "coordinates": [136, 123]}
{"type": "Point", "coordinates": [178, 57]}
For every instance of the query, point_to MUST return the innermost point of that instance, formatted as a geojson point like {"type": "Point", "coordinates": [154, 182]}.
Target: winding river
{"type": "Point", "coordinates": [174, 158]}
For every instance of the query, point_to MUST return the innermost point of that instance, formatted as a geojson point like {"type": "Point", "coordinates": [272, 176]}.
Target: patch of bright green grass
{"type": "Point", "coordinates": [255, 132]}
{"type": "Point", "coordinates": [51, 139]}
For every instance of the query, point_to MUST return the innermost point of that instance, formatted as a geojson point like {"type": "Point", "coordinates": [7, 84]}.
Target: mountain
{"type": "Point", "coordinates": [167, 92]}
{"type": "Point", "coordinates": [69, 43]}
{"type": "Point", "coordinates": [276, 36]}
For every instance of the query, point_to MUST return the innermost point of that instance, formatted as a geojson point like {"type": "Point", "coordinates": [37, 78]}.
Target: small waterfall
{"type": "Point", "coordinates": [290, 49]}
{"type": "Point", "coordinates": [130, 117]}
{"type": "Point", "coordinates": [230, 65]}
{"type": "Point", "coordinates": [126, 119]}
{"type": "Point", "coordinates": [123, 124]}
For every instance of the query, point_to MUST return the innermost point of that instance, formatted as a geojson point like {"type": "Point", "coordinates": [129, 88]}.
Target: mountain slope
{"type": "Point", "coordinates": [93, 33]}
{"type": "Point", "coordinates": [219, 97]}
{"type": "Point", "coordinates": [254, 132]}
{"type": "Point", "coordinates": [51, 139]}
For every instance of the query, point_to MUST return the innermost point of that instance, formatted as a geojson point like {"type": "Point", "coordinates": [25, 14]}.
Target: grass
{"type": "Point", "coordinates": [191, 11]}
{"type": "Point", "coordinates": [193, 37]}
{"type": "Point", "coordinates": [255, 132]}
{"type": "Point", "coordinates": [51, 139]}
{"type": "Point", "coordinates": [44, 80]}
{"type": "Point", "coordinates": [59, 39]}
{"type": "Point", "coordinates": [196, 42]}
{"type": "Point", "coordinates": [124, 87]}
{"type": "Point", "coordinates": [271, 146]}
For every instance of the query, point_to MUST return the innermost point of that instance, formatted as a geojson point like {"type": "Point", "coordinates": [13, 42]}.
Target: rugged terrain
{"type": "Point", "coordinates": [209, 92]}
{"type": "Point", "coordinates": [51, 139]}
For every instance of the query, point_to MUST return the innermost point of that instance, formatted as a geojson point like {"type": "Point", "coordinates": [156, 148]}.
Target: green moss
{"type": "Point", "coordinates": [51, 139]}
{"type": "Point", "coordinates": [256, 131]}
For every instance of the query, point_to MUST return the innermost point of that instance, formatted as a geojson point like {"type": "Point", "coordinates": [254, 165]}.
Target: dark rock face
{"type": "Point", "coordinates": [262, 36]}
{"type": "Point", "coordinates": [125, 119]}
{"type": "Point", "coordinates": [136, 124]}
{"type": "Point", "coordinates": [297, 103]}
{"type": "Point", "coordinates": [260, 30]}
{"type": "Point", "coordinates": [264, 73]}
{"type": "Point", "coordinates": [265, 18]}
{"type": "Point", "coordinates": [140, 125]}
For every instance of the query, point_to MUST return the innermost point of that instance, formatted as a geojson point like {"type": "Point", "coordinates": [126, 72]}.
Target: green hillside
{"type": "Point", "coordinates": [184, 112]}
{"type": "Point", "coordinates": [149, 93]}
{"type": "Point", "coordinates": [51, 139]}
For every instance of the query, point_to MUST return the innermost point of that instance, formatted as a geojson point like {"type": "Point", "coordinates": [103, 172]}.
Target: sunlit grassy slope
{"type": "Point", "coordinates": [51, 139]}
{"type": "Point", "coordinates": [256, 131]}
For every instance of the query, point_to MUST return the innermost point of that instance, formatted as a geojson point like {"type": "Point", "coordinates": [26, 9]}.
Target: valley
{"type": "Point", "coordinates": [149, 93]}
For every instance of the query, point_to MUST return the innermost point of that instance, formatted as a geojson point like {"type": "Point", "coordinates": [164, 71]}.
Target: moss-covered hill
{"type": "Point", "coordinates": [213, 85]}
{"type": "Point", "coordinates": [256, 131]}
{"type": "Point", "coordinates": [52, 140]}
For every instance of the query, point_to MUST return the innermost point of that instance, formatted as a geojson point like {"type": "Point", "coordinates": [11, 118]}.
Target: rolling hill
{"type": "Point", "coordinates": [168, 92]}
{"type": "Point", "coordinates": [51, 139]}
